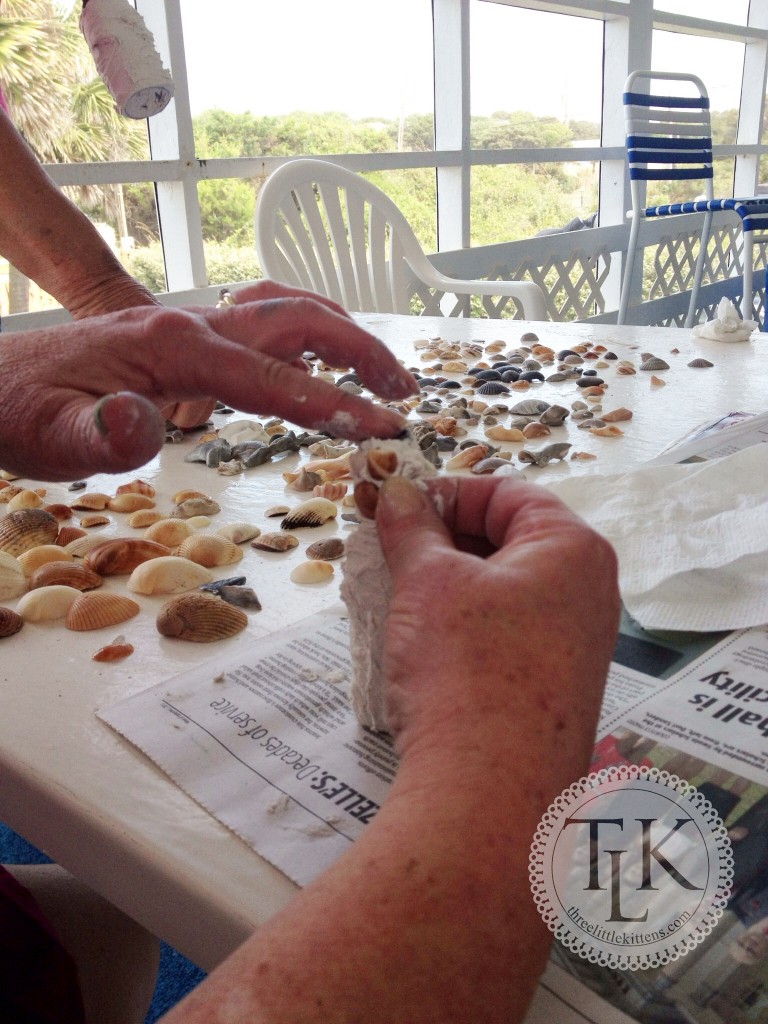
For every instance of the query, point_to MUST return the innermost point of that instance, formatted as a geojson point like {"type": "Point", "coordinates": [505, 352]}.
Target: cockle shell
{"type": "Point", "coordinates": [24, 499]}
{"type": "Point", "coordinates": [80, 546]}
{"type": "Point", "coordinates": [27, 528]}
{"type": "Point", "coordinates": [10, 622]}
{"type": "Point", "coordinates": [312, 572]}
{"type": "Point", "coordinates": [209, 550]}
{"type": "Point", "coordinates": [195, 507]}
{"type": "Point", "coordinates": [136, 487]}
{"type": "Point", "coordinates": [67, 534]}
{"type": "Point", "coordinates": [529, 407]}
{"type": "Point", "coordinates": [274, 542]}
{"type": "Point", "coordinates": [41, 555]}
{"type": "Point", "coordinates": [200, 618]}
{"type": "Point", "coordinates": [91, 501]}
{"type": "Point", "coordinates": [654, 363]}
{"type": "Point", "coordinates": [700, 363]}
{"type": "Point", "coordinates": [310, 513]}
{"type": "Point", "coordinates": [143, 518]}
{"type": "Point", "coordinates": [238, 532]}
{"type": "Point", "coordinates": [129, 502]}
{"type": "Point", "coordinates": [98, 609]}
{"type": "Point", "coordinates": [45, 603]}
{"type": "Point", "coordinates": [326, 550]}
{"type": "Point", "coordinates": [12, 579]}
{"type": "Point", "coordinates": [120, 556]}
{"type": "Point", "coordinates": [66, 574]}
{"type": "Point", "coordinates": [170, 532]}
{"type": "Point", "coordinates": [167, 575]}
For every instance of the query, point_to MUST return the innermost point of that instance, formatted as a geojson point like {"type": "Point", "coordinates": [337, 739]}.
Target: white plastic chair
{"type": "Point", "coordinates": [324, 228]}
{"type": "Point", "coordinates": [669, 138]}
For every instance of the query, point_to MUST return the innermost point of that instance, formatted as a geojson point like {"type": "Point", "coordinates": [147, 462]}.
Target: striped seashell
{"type": "Point", "coordinates": [275, 542]}
{"type": "Point", "coordinates": [129, 502]}
{"type": "Point", "coordinates": [200, 618]}
{"type": "Point", "coordinates": [65, 574]}
{"type": "Point", "coordinates": [80, 546]}
{"type": "Point", "coordinates": [137, 487]}
{"type": "Point", "coordinates": [120, 556]}
{"type": "Point", "coordinates": [12, 579]}
{"type": "Point", "coordinates": [45, 603]}
{"type": "Point", "coordinates": [209, 550]}
{"type": "Point", "coordinates": [10, 622]}
{"type": "Point", "coordinates": [331, 489]}
{"type": "Point", "coordinates": [27, 528]}
{"type": "Point", "coordinates": [310, 513]}
{"type": "Point", "coordinates": [652, 362]}
{"type": "Point", "coordinates": [326, 550]}
{"type": "Point", "coordinates": [41, 555]}
{"type": "Point", "coordinates": [98, 609]}
{"type": "Point", "coordinates": [493, 387]}
{"type": "Point", "coordinates": [170, 532]}
{"type": "Point", "coordinates": [61, 511]}
{"type": "Point", "coordinates": [67, 534]}
{"type": "Point", "coordinates": [700, 363]}
{"type": "Point", "coordinates": [168, 575]}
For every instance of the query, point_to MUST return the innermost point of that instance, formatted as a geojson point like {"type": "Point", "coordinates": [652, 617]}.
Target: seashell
{"type": "Point", "coordinates": [119, 557]}
{"type": "Point", "coordinates": [98, 609]}
{"type": "Point", "coordinates": [529, 407]}
{"type": "Point", "coordinates": [312, 572]}
{"type": "Point", "coordinates": [274, 542]}
{"type": "Point", "coordinates": [238, 532]}
{"type": "Point", "coordinates": [232, 468]}
{"type": "Point", "coordinates": [143, 518]}
{"type": "Point", "coordinates": [170, 532]}
{"type": "Point", "coordinates": [65, 574]}
{"type": "Point", "coordinates": [625, 371]}
{"type": "Point", "coordinates": [12, 579]}
{"type": "Point", "coordinates": [8, 493]}
{"type": "Point", "coordinates": [588, 422]}
{"type": "Point", "coordinates": [77, 485]}
{"type": "Point", "coordinates": [446, 425]}
{"type": "Point", "coordinates": [331, 490]}
{"type": "Point", "coordinates": [617, 415]}
{"type": "Point", "coordinates": [27, 528]}
{"type": "Point", "coordinates": [658, 382]}
{"type": "Point", "coordinates": [115, 651]}
{"type": "Point", "coordinates": [24, 499]}
{"type": "Point", "coordinates": [60, 511]}
{"type": "Point", "coordinates": [243, 430]}
{"type": "Point", "coordinates": [137, 487]}
{"type": "Point", "coordinates": [209, 550]}
{"type": "Point", "coordinates": [493, 387]}
{"type": "Point", "coordinates": [611, 430]}
{"type": "Point", "coordinates": [215, 585]}
{"type": "Point", "coordinates": [169, 574]}
{"type": "Point", "coordinates": [545, 455]}
{"type": "Point", "coordinates": [536, 429]}
{"type": "Point", "coordinates": [42, 555]}
{"type": "Point", "coordinates": [582, 456]}
{"type": "Point", "coordinates": [129, 502]}
{"type": "Point", "coordinates": [10, 622]}
{"type": "Point", "coordinates": [195, 507]}
{"type": "Point", "coordinates": [184, 495]}
{"type": "Point", "coordinates": [327, 450]}
{"type": "Point", "coordinates": [366, 498]}
{"type": "Point", "coordinates": [596, 392]}
{"type": "Point", "coordinates": [303, 481]}
{"type": "Point", "coordinates": [197, 522]}
{"type": "Point", "coordinates": [92, 501]}
{"type": "Point", "coordinates": [467, 457]}
{"type": "Point", "coordinates": [45, 603]}
{"type": "Point", "coordinates": [455, 366]}
{"type": "Point", "coordinates": [504, 434]}
{"type": "Point", "coordinates": [520, 385]}
{"type": "Point", "coordinates": [490, 465]}
{"type": "Point", "coordinates": [700, 363]}
{"type": "Point", "coordinates": [381, 463]}
{"type": "Point", "coordinates": [326, 550]}
{"type": "Point", "coordinates": [240, 597]}
{"type": "Point", "coordinates": [310, 513]}
{"type": "Point", "coordinates": [200, 618]}
{"type": "Point", "coordinates": [332, 469]}
{"type": "Point", "coordinates": [80, 546]}
{"type": "Point", "coordinates": [652, 362]}
{"type": "Point", "coordinates": [67, 534]}
{"type": "Point", "coordinates": [277, 510]}
{"type": "Point", "coordinates": [93, 519]}
{"type": "Point", "coordinates": [554, 416]}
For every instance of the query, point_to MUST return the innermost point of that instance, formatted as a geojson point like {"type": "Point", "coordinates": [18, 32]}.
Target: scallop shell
{"type": "Point", "coordinates": [700, 363]}
{"type": "Point", "coordinates": [200, 618]}
{"type": "Point", "coordinates": [41, 555]}
{"type": "Point", "coordinates": [170, 532]}
{"type": "Point", "coordinates": [209, 550]}
{"type": "Point", "coordinates": [130, 502]}
{"type": "Point", "coordinates": [326, 550]}
{"type": "Point", "coordinates": [10, 622]}
{"type": "Point", "coordinates": [654, 363]}
{"type": "Point", "coordinates": [312, 572]}
{"type": "Point", "coordinates": [529, 407]}
{"type": "Point", "coordinates": [45, 603]}
{"type": "Point", "coordinates": [12, 579]}
{"type": "Point", "coordinates": [27, 528]}
{"type": "Point", "coordinates": [98, 609]}
{"type": "Point", "coordinates": [493, 387]}
{"type": "Point", "coordinates": [24, 499]}
{"type": "Point", "coordinates": [310, 513]}
{"type": "Point", "coordinates": [66, 574]}
{"type": "Point", "coordinates": [143, 518]}
{"type": "Point", "coordinates": [119, 557]}
{"type": "Point", "coordinates": [137, 487]}
{"type": "Point", "coordinates": [195, 507]}
{"type": "Point", "coordinates": [91, 501]}
{"type": "Point", "coordinates": [238, 532]}
{"type": "Point", "coordinates": [274, 542]}
{"type": "Point", "coordinates": [167, 575]}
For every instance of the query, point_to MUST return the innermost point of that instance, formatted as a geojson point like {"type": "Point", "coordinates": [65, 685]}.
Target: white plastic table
{"type": "Point", "coordinates": [94, 803]}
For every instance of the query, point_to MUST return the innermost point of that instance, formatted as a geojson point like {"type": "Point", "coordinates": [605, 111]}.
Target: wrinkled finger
{"type": "Point", "coordinates": [186, 415]}
{"type": "Point", "coordinates": [410, 530]}
{"type": "Point", "coordinates": [268, 289]}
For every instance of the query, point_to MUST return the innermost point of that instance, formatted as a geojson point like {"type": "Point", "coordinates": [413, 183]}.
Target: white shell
{"type": "Point", "coordinates": [167, 575]}
{"type": "Point", "coordinates": [12, 579]}
{"type": "Point", "coordinates": [47, 603]}
{"type": "Point", "coordinates": [239, 532]}
{"type": "Point", "coordinates": [312, 572]}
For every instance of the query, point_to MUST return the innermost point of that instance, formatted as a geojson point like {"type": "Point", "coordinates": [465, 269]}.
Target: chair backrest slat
{"type": "Point", "coordinates": [358, 247]}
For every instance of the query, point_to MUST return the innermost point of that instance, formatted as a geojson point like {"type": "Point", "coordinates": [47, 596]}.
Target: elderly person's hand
{"type": "Point", "coordinates": [86, 397]}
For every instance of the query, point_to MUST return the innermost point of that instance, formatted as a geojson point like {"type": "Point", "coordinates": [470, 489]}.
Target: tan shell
{"type": "Point", "coordinates": [332, 469]}
{"type": "Point", "coordinates": [143, 518]}
{"type": "Point", "coordinates": [180, 496]}
{"type": "Point", "coordinates": [500, 433]}
{"type": "Point", "coordinates": [168, 575]}
{"type": "Point", "coordinates": [170, 532]}
{"type": "Point", "coordinates": [8, 492]}
{"type": "Point", "coordinates": [200, 618]}
{"type": "Point", "coordinates": [467, 457]}
{"type": "Point", "coordinates": [326, 550]}
{"type": "Point", "coordinates": [10, 622]}
{"type": "Point", "coordinates": [137, 487]}
{"type": "Point", "coordinates": [24, 499]}
{"type": "Point", "coordinates": [310, 513]}
{"type": "Point", "coordinates": [41, 555]}
{"type": "Point", "coordinates": [238, 532]}
{"type": "Point", "coordinates": [195, 507]}
{"type": "Point", "coordinates": [66, 574]}
{"type": "Point", "coordinates": [609, 431]}
{"type": "Point", "coordinates": [67, 534]}
{"type": "Point", "coordinates": [61, 511]}
{"type": "Point", "coordinates": [330, 490]}
{"type": "Point", "coordinates": [98, 609]}
{"type": "Point", "coordinates": [119, 557]}
{"type": "Point", "coordinates": [45, 603]}
{"type": "Point", "coordinates": [276, 510]}
{"type": "Point", "coordinates": [312, 572]}
{"type": "Point", "coordinates": [93, 501]}
{"type": "Point", "coordinates": [25, 529]}
{"type": "Point", "coordinates": [274, 542]}
{"type": "Point", "coordinates": [130, 502]}
{"type": "Point", "coordinates": [12, 579]}
{"type": "Point", "coordinates": [616, 415]}
{"type": "Point", "coordinates": [210, 550]}
{"type": "Point", "coordinates": [80, 546]}
{"type": "Point", "coordinates": [94, 519]}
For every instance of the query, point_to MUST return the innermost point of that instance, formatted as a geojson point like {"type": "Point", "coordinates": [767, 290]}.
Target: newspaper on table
{"type": "Point", "coordinates": [268, 744]}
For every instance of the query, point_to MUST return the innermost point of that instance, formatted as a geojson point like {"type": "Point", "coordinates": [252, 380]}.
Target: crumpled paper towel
{"type": "Point", "coordinates": [726, 326]}
{"type": "Point", "coordinates": [692, 540]}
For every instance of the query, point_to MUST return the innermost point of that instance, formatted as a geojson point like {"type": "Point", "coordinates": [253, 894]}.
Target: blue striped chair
{"type": "Point", "coordinates": [669, 138]}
